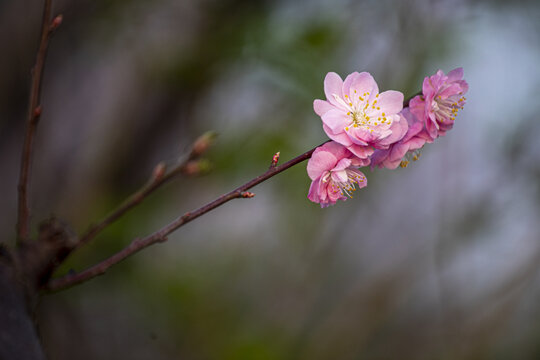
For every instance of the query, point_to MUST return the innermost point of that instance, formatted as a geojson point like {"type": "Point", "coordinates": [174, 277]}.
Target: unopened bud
{"type": "Point", "coordinates": [159, 171]}
{"type": "Point", "coordinates": [57, 21]}
{"type": "Point", "coordinates": [248, 194]}
{"type": "Point", "coordinates": [202, 143]}
{"type": "Point", "coordinates": [197, 167]}
{"type": "Point", "coordinates": [37, 111]}
{"type": "Point", "coordinates": [275, 159]}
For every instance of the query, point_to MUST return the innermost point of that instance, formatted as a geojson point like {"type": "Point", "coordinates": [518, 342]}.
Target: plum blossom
{"type": "Point", "coordinates": [357, 116]}
{"type": "Point", "coordinates": [441, 99]}
{"type": "Point", "coordinates": [334, 173]}
{"type": "Point", "coordinates": [405, 150]}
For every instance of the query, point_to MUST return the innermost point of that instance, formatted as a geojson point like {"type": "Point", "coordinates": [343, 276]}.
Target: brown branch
{"type": "Point", "coordinates": [34, 113]}
{"type": "Point", "coordinates": [159, 177]}
{"type": "Point", "coordinates": [161, 235]}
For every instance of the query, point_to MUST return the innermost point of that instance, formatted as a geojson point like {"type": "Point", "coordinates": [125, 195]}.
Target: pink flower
{"type": "Point", "coordinates": [442, 98]}
{"type": "Point", "coordinates": [333, 171]}
{"type": "Point", "coordinates": [399, 153]}
{"type": "Point", "coordinates": [357, 116]}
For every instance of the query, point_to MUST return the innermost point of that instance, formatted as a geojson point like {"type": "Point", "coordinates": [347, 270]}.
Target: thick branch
{"type": "Point", "coordinates": [34, 113]}
{"type": "Point", "coordinates": [18, 336]}
{"type": "Point", "coordinates": [161, 235]}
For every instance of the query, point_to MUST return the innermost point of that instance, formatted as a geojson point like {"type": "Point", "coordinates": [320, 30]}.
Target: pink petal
{"type": "Point", "coordinates": [339, 176]}
{"type": "Point", "coordinates": [456, 74]}
{"type": "Point", "coordinates": [363, 152]}
{"type": "Point", "coordinates": [336, 120]}
{"type": "Point", "coordinates": [348, 82]}
{"type": "Point", "coordinates": [390, 102]}
{"type": "Point", "coordinates": [360, 136]}
{"type": "Point", "coordinates": [333, 85]}
{"type": "Point", "coordinates": [340, 137]}
{"type": "Point", "coordinates": [321, 107]}
{"type": "Point", "coordinates": [342, 165]}
{"type": "Point", "coordinates": [313, 193]}
{"type": "Point", "coordinates": [320, 162]}
{"type": "Point", "coordinates": [363, 83]}
{"type": "Point", "coordinates": [399, 129]}
{"type": "Point", "coordinates": [427, 87]}
{"type": "Point", "coordinates": [417, 107]}
{"type": "Point", "coordinates": [356, 161]}
{"type": "Point", "coordinates": [338, 150]}
{"type": "Point", "coordinates": [378, 158]}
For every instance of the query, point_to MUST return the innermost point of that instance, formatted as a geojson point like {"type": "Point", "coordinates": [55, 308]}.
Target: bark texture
{"type": "Point", "coordinates": [18, 336]}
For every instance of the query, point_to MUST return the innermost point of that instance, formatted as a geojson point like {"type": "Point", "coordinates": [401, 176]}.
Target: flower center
{"type": "Point", "coordinates": [447, 108]}
{"type": "Point", "coordinates": [348, 187]}
{"type": "Point", "coordinates": [359, 106]}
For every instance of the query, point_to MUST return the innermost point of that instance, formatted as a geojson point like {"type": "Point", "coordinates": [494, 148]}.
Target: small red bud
{"type": "Point", "coordinates": [37, 111]}
{"type": "Point", "coordinates": [57, 21]}
{"type": "Point", "coordinates": [247, 194]}
{"type": "Point", "coordinates": [275, 159]}
{"type": "Point", "coordinates": [202, 143]}
{"type": "Point", "coordinates": [191, 168]}
{"type": "Point", "coordinates": [159, 171]}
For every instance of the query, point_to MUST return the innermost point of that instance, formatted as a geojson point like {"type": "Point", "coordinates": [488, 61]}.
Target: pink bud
{"type": "Point", "coordinates": [57, 21]}
{"type": "Point", "coordinates": [275, 159]}
{"type": "Point", "coordinates": [159, 171]}
{"type": "Point", "coordinates": [202, 143]}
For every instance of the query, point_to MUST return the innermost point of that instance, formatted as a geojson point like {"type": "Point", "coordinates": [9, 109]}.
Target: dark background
{"type": "Point", "coordinates": [439, 260]}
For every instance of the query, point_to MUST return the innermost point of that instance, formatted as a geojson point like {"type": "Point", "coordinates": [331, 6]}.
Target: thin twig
{"type": "Point", "coordinates": [161, 235]}
{"type": "Point", "coordinates": [34, 113]}
{"type": "Point", "coordinates": [159, 177]}
{"type": "Point", "coordinates": [135, 199]}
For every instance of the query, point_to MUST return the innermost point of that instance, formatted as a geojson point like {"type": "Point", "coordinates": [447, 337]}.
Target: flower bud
{"type": "Point", "coordinates": [197, 167]}
{"type": "Point", "coordinates": [57, 21]}
{"type": "Point", "coordinates": [202, 143]}
{"type": "Point", "coordinates": [159, 171]}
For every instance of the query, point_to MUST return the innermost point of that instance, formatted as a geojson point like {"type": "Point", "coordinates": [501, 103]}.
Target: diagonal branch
{"type": "Point", "coordinates": [159, 177]}
{"type": "Point", "coordinates": [34, 113]}
{"type": "Point", "coordinates": [161, 235]}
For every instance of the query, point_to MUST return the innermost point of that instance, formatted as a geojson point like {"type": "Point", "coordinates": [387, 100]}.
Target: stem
{"type": "Point", "coordinates": [161, 235]}
{"type": "Point", "coordinates": [132, 201]}
{"type": "Point", "coordinates": [34, 113]}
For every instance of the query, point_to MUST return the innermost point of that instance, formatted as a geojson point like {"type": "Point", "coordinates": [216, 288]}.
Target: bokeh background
{"type": "Point", "coordinates": [440, 260]}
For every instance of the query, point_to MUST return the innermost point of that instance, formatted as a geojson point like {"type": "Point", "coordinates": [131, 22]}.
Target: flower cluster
{"type": "Point", "coordinates": [371, 128]}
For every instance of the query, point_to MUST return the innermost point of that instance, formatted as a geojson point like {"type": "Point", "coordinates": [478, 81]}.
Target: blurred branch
{"type": "Point", "coordinates": [34, 113]}
{"type": "Point", "coordinates": [161, 235]}
{"type": "Point", "coordinates": [159, 177]}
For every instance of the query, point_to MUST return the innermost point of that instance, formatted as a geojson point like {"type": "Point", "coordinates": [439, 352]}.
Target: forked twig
{"type": "Point", "coordinates": [34, 113]}
{"type": "Point", "coordinates": [161, 235]}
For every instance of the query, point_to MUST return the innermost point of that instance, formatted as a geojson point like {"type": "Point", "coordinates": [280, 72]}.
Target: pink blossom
{"type": "Point", "coordinates": [399, 153]}
{"type": "Point", "coordinates": [442, 98]}
{"type": "Point", "coordinates": [357, 116]}
{"type": "Point", "coordinates": [334, 174]}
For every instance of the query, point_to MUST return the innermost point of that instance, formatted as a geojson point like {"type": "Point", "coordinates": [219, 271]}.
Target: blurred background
{"type": "Point", "coordinates": [440, 260]}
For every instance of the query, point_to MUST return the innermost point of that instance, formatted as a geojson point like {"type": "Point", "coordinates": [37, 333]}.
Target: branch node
{"type": "Point", "coordinates": [159, 171]}
{"type": "Point", "coordinates": [37, 111]}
